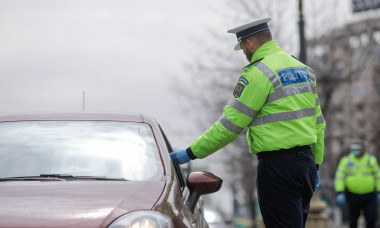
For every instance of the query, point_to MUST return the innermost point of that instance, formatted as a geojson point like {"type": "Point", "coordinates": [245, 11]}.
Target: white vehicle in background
{"type": "Point", "coordinates": [215, 219]}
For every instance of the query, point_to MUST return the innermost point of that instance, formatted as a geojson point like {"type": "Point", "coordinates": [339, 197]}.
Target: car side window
{"type": "Point", "coordinates": [178, 170]}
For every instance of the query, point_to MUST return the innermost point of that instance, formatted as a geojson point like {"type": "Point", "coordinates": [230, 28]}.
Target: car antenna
{"type": "Point", "coordinates": [83, 99]}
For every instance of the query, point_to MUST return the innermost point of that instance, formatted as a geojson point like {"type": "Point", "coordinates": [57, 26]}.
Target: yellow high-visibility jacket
{"type": "Point", "coordinates": [276, 99]}
{"type": "Point", "coordinates": [357, 175]}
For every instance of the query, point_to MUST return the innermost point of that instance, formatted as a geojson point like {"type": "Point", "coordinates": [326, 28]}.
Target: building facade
{"type": "Point", "coordinates": [347, 65]}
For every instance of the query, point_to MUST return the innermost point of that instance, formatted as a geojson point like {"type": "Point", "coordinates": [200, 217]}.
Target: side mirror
{"type": "Point", "coordinates": [201, 183]}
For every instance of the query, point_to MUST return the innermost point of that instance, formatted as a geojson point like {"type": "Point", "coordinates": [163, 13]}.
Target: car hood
{"type": "Point", "coordinates": [73, 203]}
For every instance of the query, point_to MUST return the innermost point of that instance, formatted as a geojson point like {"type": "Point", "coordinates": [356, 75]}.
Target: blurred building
{"type": "Point", "coordinates": [347, 65]}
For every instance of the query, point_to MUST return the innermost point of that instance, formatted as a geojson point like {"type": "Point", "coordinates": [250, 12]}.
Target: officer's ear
{"type": "Point", "coordinates": [251, 44]}
{"type": "Point", "coordinates": [248, 44]}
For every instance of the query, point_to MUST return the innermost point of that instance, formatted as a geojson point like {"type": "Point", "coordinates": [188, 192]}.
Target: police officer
{"type": "Point", "coordinates": [275, 98]}
{"type": "Point", "coordinates": [356, 180]}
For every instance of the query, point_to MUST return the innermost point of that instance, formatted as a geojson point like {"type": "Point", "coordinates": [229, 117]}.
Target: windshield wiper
{"type": "Point", "coordinates": [31, 178]}
{"type": "Point", "coordinates": [59, 177]}
{"type": "Point", "coordinates": [71, 177]}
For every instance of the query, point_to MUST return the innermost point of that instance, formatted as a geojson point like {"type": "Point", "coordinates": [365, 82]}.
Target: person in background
{"type": "Point", "coordinates": [357, 182]}
{"type": "Point", "coordinates": [275, 98]}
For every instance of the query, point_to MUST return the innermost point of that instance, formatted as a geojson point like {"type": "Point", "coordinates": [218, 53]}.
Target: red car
{"type": "Point", "coordinates": [95, 170]}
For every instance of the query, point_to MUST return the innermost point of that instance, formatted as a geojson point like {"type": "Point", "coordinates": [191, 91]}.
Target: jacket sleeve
{"type": "Point", "coordinates": [319, 146]}
{"type": "Point", "coordinates": [247, 98]}
{"type": "Point", "coordinates": [376, 172]}
{"type": "Point", "coordinates": [340, 175]}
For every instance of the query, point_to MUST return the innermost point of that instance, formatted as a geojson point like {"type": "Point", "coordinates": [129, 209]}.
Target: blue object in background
{"type": "Point", "coordinates": [317, 184]}
{"type": "Point", "coordinates": [340, 199]}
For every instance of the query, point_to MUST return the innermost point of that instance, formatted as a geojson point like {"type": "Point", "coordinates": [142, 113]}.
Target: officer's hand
{"type": "Point", "coordinates": [340, 199]}
{"type": "Point", "coordinates": [180, 157]}
{"type": "Point", "coordinates": [317, 184]}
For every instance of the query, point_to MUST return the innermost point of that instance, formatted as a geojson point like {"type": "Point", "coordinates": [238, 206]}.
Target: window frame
{"type": "Point", "coordinates": [178, 170]}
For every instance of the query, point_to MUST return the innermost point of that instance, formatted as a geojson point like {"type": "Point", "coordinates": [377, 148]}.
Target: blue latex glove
{"type": "Point", "coordinates": [317, 184]}
{"type": "Point", "coordinates": [180, 157]}
{"type": "Point", "coordinates": [340, 199]}
{"type": "Point", "coordinates": [378, 197]}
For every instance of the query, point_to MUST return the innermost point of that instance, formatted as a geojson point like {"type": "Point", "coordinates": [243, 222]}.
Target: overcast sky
{"type": "Point", "coordinates": [121, 53]}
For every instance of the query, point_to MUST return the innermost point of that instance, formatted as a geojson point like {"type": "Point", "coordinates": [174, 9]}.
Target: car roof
{"type": "Point", "coordinates": [129, 117]}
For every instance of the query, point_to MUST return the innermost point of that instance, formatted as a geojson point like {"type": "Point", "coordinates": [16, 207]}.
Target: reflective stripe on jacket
{"type": "Point", "coordinates": [357, 175]}
{"type": "Point", "coordinates": [276, 99]}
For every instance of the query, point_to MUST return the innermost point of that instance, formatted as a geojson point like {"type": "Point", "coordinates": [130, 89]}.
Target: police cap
{"type": "Point", "coordinates": [357, 145]}
{"type": "Point", "coordinates": [249, 28]}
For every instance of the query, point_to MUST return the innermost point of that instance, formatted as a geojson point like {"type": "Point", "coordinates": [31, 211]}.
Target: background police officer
{"type": "Point", "coordinates": [356, 180]}
{"type": "Point", "coordinates": [276, 99]}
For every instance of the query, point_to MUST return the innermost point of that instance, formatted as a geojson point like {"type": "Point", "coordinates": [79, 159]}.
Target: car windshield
{"type": "Point", "coordinates": [79, 148]}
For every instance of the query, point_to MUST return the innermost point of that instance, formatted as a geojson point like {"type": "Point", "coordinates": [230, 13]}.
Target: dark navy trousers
{"type": "Point", "coordinates": [285, 185]}
{"type": "Point", "coordinates": [358, 202]}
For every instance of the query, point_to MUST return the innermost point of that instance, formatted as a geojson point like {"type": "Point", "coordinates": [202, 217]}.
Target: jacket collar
{"type": "Point", "coordinates": [353, 157]}
{"type": "Point", "coordinates": [268, 48]}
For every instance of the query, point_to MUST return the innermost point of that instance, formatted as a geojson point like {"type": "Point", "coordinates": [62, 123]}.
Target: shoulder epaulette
{"type": "Point", "coordinates": [254, 63]}
{"type": "Point", "coordinates": [309, 68]}
{"type": "Point", "coordinates": [295, 57]}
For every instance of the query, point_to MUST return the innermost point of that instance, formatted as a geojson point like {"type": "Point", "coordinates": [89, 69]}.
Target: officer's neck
{"type": "Point", "coordinates": [360, 155]}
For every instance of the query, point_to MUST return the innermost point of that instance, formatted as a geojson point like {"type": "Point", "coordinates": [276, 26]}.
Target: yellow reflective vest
{"type": "Point", "coordinates": [276, 99]}
{"type": "Point", "coordinates": [357, 175]}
